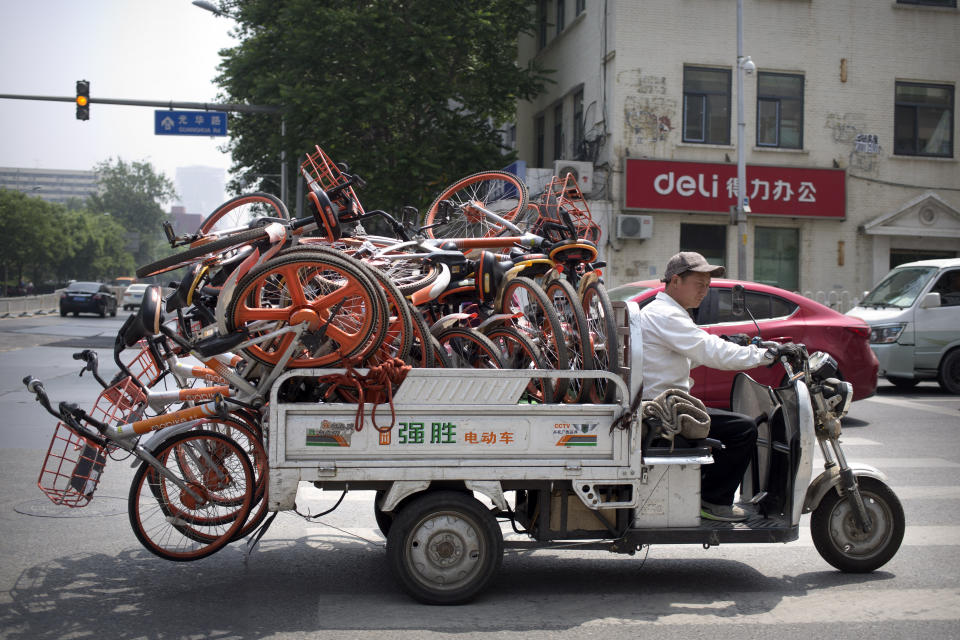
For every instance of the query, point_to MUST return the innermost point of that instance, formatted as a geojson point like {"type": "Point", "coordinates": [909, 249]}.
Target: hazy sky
{"type": "Point", "coordinates": [131, 49]}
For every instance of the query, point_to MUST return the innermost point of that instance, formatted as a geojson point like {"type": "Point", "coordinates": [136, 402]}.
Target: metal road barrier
{"type": "Point", "coordinates": [29, 305]}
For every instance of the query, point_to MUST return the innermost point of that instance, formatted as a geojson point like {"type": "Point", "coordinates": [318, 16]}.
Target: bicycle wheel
{"type": "Point", "coordinates": [193, 254]}
{"type": "Point", "coordinates": [341, 306]}
{"type": "Point", "coordinates": [409, 274]}
{"type": "Point", "coordinates": [536, 318]}
{"type": "Point", "coordinates": [501, 192]}
{"type": "Point", "coordinates": [517, 351]}
{"type": "Point", "coordinates": [603, 339]}
{"type": "Point", "coordinates": [576, 333]}
{"type": "Point", "coordinates": [242, 210]}
{"type": "Point", "coordinates": [236, 428]}
{"type": "Point", "coordinates": [397, 331]}
{"type": "Point", "coordinates": [469, 349]}
{"type": "Point", "coordinates": [165, 516]}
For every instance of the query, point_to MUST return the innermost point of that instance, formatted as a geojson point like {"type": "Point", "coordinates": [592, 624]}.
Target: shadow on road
{"type": "Point", "coordinates": [315, 583]}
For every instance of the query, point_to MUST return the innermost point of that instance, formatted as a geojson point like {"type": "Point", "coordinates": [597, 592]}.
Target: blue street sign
{"type": "Point", "coordinates": [189, 123]}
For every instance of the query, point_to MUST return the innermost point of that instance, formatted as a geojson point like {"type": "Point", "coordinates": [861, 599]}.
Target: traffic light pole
{"type": "Point", "coordinates": [173, 104]}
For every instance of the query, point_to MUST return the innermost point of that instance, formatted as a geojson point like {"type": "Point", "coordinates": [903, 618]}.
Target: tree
{"type": "Point", "coordinates": [410, 93]}
{"type": "Point", "coordinates": [43, 240]}
{"type": "Point", "coordinates": [25, 222]}
{"type": "Point", "coordinates": [133, 195]}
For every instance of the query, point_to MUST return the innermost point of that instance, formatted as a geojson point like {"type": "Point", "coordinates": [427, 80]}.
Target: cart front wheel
{"type": "Point", "coordinates": [444, 547]}
{"type": "Point", "coordinates": [845, 545]}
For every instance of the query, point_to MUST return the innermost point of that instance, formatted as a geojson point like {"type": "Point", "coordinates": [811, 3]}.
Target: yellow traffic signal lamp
{"type": "Point", "coordinates": [83, 100]}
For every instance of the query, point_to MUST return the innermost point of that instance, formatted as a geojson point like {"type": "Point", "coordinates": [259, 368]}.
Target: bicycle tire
{"type": "Point", "coordinates": [575, 332]}
{"type": "Point", "coordinates": [603, 339]}
{"type": "Point", "coordinates": [538, 320]}
{"type": "Point", "coordinates": [193, 254]}
{"type": "Point", "coordinates": [156, 513]}
{"type": "Point", "coordinates": [243, 209]}
{"type": "Point", "coordinates": [274, 292]}
{"type": "Point", "coordinates": [517, 351]}
{"type": "Point", "coordinates": [422, 349]}
{"type": "Point", "coordinates": [469, 349]}
{"type": "Point", "coordinates": [487, 187]}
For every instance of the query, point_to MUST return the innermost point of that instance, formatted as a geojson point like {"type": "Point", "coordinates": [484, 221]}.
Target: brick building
{"type": "Point", "coordinates": [850, 137]}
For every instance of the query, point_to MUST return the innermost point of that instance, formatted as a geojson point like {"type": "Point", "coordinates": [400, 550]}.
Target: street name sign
{"type": "Point", "coordinates": [189, 123]}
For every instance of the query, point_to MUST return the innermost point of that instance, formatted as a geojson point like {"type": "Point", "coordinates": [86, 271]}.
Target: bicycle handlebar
{"type": "Point", "coordinates": [67, 412]}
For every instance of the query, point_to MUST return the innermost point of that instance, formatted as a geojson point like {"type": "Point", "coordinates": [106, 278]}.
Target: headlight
{"type": "Point", "coordinates": [886, 333]}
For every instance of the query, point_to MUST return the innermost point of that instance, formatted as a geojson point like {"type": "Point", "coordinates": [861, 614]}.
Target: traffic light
{"type": "Point", "coordinates": [83, 100]}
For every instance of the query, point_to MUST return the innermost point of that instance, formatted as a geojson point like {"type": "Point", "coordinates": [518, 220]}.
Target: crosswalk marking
{"type": "Point", "coordinates": [917, 406]}
{"type": "Point", "coordinates": [833, 604]}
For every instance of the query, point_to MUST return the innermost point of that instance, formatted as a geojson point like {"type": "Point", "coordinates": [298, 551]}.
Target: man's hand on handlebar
{"type": "Point", "coordinates": [794, 354]}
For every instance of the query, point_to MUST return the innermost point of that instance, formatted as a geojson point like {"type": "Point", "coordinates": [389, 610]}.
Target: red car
{"type": "Point", "coordinates": [784, 317]}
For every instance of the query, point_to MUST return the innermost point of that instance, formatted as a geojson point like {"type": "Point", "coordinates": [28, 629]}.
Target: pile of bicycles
{"type": "Point", "coordinates": [491, 278]}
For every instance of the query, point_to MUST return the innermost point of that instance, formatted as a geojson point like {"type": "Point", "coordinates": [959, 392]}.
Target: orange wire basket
{"type": "Point", "coordinates": [564, 193]}
{"type": "Point", "coordinates": [318, 169]}
{"type": "Point", "coordinates": [145, 367]}
{"type": "Point", "coordinates": [74, 463]}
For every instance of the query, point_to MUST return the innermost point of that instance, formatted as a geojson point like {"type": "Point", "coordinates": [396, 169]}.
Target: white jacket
{"type": "Point", "coordinates": [672, 344]}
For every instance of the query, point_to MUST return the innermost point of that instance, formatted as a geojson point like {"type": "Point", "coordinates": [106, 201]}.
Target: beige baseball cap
{"type": "Point", "coordinates": [690, 261]}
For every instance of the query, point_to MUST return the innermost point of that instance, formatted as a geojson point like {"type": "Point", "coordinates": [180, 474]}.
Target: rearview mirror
{"type": "Point", "coordinates": [737, 304]}
{"type": "Point", "coordinates": [930, 301]}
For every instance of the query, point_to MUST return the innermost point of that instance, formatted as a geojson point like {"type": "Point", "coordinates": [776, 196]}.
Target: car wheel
{"type": "Point", "coordinates": [949, 375]}
{"type": "Point", "coordinates": [902, 383]}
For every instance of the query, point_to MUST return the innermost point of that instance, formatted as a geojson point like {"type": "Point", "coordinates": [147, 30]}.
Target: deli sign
{"type": "Point", "coordinates": [664, 185]}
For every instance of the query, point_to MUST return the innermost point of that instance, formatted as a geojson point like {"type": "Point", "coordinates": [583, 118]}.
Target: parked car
{"type": "Point", "coordinates": [914, 317]}
{"type": "Point", "coordinates": [133, 295]}
{"type": "Point", "coordinates": [88, 297]}
{"type": "Point", "coordinates": [782, 316]}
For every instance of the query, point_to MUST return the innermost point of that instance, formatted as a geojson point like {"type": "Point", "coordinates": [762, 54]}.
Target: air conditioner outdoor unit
{"type": "Point", "coordinates": [582, 171]}
{"type": "Point", "coordinates": [630, 227]}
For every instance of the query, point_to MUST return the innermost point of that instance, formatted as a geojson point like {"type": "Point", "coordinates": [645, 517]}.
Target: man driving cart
{"type": "Point", "coordinates": [672, 344]}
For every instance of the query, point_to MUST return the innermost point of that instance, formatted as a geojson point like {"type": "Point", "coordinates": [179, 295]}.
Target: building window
{"type": "Point", "coordinates": [709, 240]}
{"type": "Point", "coordinates": [931, 3]}
{"type": "Point", "coordinates": [578, 126]}
{"type": "Point", "coordinates": [776, 257]}
{"type": "Point", "coordinates": [706, 105]}
{"type": "Point", "coordinates": [558, 131]}
{"type": "Point", "coordinates": [541, 24]}
{"type": "Point", "coordinates": [923, 120]}
{"type": "Point", "coordinates": [540, 134]}
{"type": "Point", "coordinates": [561, 15]}
{"type": "Point", "coordinates": [511, 136]}
{"type": "Point", "coordinates": [780, 110]}
{"type": "Point", "coordinates": [581, 6]}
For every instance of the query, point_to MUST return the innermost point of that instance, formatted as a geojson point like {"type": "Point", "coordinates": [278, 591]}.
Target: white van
{"type": "Point", "coordinates": [914, 316]}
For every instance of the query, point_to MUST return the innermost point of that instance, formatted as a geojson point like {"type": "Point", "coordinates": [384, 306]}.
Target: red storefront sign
{"type": "Point", "coordinates": [665, 185]}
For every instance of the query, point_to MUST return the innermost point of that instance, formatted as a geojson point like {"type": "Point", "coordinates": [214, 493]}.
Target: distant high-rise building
{"type": "Point", "coordinates": [201, 189]}
{"type": "Point", "coordinates": [52, 185]}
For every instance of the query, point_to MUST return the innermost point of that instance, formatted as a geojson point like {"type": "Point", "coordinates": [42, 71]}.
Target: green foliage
{"type": "Point", "coordinates": [409, 93]}
{"type": "Point", "coordinates": [43, 241]}
{"type": "Point", "coordinates": [132, 193]}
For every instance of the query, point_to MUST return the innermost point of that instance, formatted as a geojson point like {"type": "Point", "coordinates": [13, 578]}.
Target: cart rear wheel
{"type": "Point", "coordinates": [847, 547]}
{"type": "Point", "coordinates": [444, 547]}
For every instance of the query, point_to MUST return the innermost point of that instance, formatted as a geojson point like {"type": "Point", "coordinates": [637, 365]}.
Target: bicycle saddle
{"type": "Point", "coordinates": [145, 322]}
